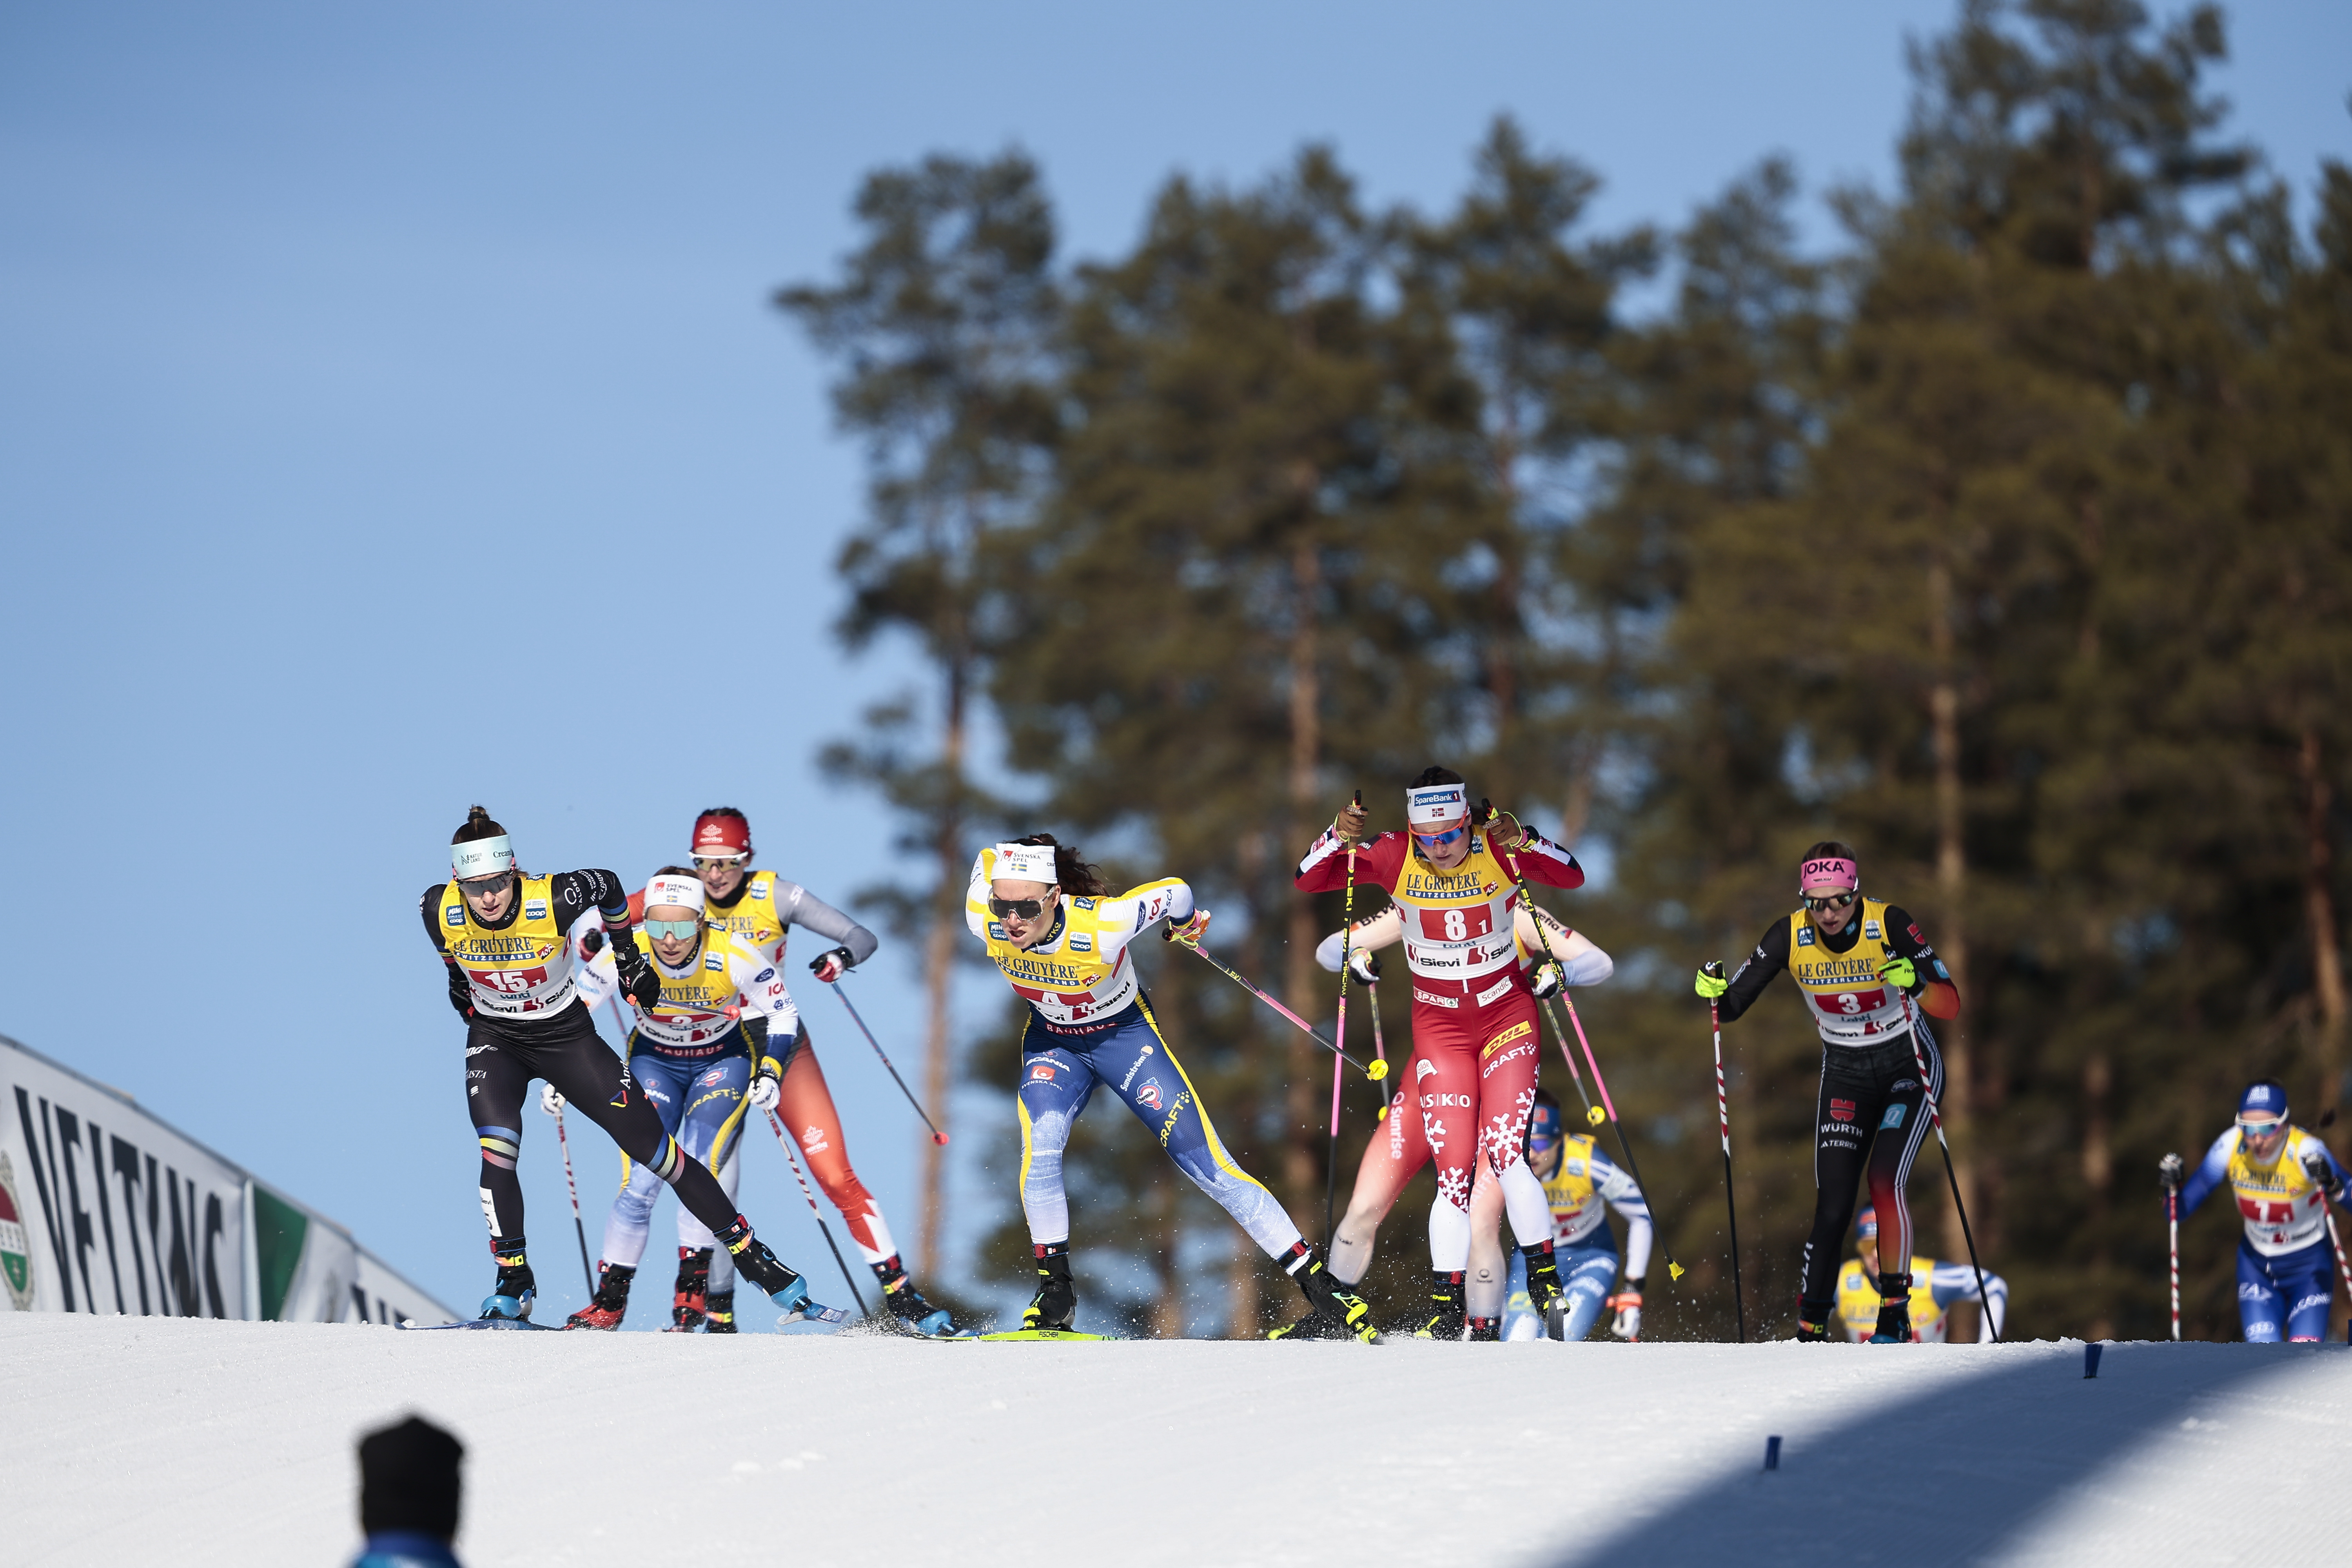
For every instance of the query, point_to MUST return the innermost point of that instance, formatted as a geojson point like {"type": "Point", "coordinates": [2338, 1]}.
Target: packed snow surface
{"type": "Point", "coordinates": [161, 1440]}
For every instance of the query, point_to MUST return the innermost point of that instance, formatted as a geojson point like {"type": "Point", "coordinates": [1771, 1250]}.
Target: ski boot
{"type": "Point", "coordinates": [511, 1297]}
{"type": "Point", "coordinates": [605, 1308]}
{"type": "Point", "coordinates": [1894, 1310]}
{"type": "Point", "coordinates": [688, 1295]}
{"type": "Point", "coordinates": [1813, 1320]}
{"type": "Point", "coordinates": [1545, 1291]}
{"type": "Point", "coordinates": [1486, 1330]}
{"type": "Point", "coordinates": [764, 1270]}
{"type": "Point", "coordinates": [1341, 1310]}
{"type": "Point", "coordinates": [907, 1304]}
{"type": "Point", "coordinates": [1447, 1321]}
{"type": "Point", "coordinates": [1057, 1301]}
{"type": "Point", "coordinates": [718, 1312]}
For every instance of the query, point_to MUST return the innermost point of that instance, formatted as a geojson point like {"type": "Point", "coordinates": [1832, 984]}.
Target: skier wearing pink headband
{"type": "Point", "coordinates": [1854, 959]}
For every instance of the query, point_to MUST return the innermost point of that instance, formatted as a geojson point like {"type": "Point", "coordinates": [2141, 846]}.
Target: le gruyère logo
{"type": "Point", "coordinates": [16, 1251]}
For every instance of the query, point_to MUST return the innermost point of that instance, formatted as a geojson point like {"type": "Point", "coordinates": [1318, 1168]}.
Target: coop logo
{"type": "Point", "coordinates": [16, 1251]}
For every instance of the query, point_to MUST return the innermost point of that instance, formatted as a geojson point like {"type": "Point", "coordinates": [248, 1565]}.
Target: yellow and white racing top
{"type": "Point", "coordinates": [1081, 976]}
{"type": "Point", "coordinates": [702, 1002]}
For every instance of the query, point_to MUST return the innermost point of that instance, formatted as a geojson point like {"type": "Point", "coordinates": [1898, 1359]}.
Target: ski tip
{"type": "Point", "coordinates": [1042, 1334]}
{"type": "Point", "coordinates": [812, 1312]}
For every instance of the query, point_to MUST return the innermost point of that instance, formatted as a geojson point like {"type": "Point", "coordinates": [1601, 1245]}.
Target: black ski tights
{"type": "Point", "coordinates": [1870, 1118]}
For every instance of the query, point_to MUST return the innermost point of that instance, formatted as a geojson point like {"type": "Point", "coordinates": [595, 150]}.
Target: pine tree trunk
{"type": "Point", "coordinates": [2319, 911]}
{"type": "Point", "coordinates": [1951, 888]}
{"type": "Point", "coordinates": [938, 969]}
{"type": "Point", "coordinates": [1301, 1170]}
{"type": "Point", "coordinates": [1242, 1282]}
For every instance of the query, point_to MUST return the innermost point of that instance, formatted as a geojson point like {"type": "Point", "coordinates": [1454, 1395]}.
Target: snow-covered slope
{"type": "Point", "coordinates": [153, 1440]}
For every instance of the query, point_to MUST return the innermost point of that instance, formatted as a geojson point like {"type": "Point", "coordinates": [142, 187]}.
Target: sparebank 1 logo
{"type": "Point", "coordinates": [16, 1252]}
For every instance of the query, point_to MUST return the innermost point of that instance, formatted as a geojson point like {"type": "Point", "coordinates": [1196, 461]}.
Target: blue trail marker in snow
{"type": "Point", "coordinates": [1771, 1453]}
{"type": "Point", "coordinates": [2091, 1359]}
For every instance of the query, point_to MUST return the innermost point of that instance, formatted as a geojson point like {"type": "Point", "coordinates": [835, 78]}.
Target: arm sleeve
{"type": "Point", "coordinates": [1958, 1282]}
{"type": "Point", "coordinates": [1770, 957]}
{"type": "Point", "coordinates": [1324, 868]}
{"type": "Point", "coordinates": [429, 907]}
{"type": "Point", "coordinates": [580, 893]}
{"type": "Point", "coordinates": [801, 907]}
{"type": "Point", "coordinates": [1618, 1189]}
{"type": "Point", "coordinates": [2211, 1174]}
{"type": "Point", "coordinates": [764, 992]}
{"type": "Point", "coordinates": [1584, 963]}
{"type": "Point", "coordinates": [1938, 997]}
{"type": "Point", "coordinates": [1541, 860]}
{"type": "Point", "coordinates": [1373, 933]}
{"type": "Point", "coordinates": [1170, 898]}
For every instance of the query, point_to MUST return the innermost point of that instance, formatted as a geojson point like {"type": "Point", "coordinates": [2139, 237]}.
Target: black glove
{"type": "Point", "coordinates": [639, 984]}
{"type": "Point", "coordinates": [591, 945]}
{"type": "Point", "coordinates": [2322, 1172]}
{"type": "Point", "coordinates": [461, 990]}
{"type": "Point", "coordinates": [2168, 1171]}
{"type": "Point", "coordinates": [831, 966]}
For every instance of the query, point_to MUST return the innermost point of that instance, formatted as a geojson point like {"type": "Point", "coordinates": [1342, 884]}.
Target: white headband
{"type": "Point", "coordinates": [481, 858]}
{"type": "Point", "coordinates": [685, 892]}
{"type": "Point", "coordinates": [1437, 803]}
{"type": "Point", "coordinates": [1023, 863]}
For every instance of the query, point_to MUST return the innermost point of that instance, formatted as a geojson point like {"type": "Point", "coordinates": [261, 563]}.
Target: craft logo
{"type": "Point", "coordinates": [1840, 1110]}
{"type": "Point", "coordinates": [16, 1251]}
{"type": "Point", "coordinates": [1149, 1094]}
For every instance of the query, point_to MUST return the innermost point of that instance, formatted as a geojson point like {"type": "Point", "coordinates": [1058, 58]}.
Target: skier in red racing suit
{"type": "Point", "coordinates": [1475, 1046]}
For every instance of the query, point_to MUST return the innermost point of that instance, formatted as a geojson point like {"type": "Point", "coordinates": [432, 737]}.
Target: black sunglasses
{"type": "Point", "coordinates": [1833, 901]}
{"type": "Point", "coordinates": [1023, 908]}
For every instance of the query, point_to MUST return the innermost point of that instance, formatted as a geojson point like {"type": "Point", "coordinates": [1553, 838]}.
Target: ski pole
{"type": "Point", "coordinates": [1633, 1167]}
{"type": "Point", "coordinates": [1723, 1116]}
{"type": "Point", "coordinates": [2172, 1225]}
{"type": "Point", "coordinates": [937, 1136]}
{"type": "Point", "coordinates": [1593, 1117]}
{"type": "Point", "coordinates": [1340, 1032]}
{"type": "Point", "coordinates": [577, 1230]}
{"type": "Point", "coordinates": [822, 1229]}
{"type": "Point", "coordinates": [1377, 1071]}
{"type": "Point", "coordinates": [1935, 1116]}
{"type": "Point", "coordinates": [1379, 1046]}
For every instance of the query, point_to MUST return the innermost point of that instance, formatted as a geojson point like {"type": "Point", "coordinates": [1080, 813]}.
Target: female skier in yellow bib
{"type": "Point", "coordinates": [1050, 925]}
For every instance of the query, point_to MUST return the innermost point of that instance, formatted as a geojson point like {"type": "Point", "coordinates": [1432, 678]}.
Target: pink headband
{"type": "Point", "coordinates": [1837, 873]}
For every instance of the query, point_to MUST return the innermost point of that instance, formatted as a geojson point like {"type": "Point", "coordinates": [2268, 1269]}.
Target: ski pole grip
{"type": "Point", "coordinates": [1713, 968]}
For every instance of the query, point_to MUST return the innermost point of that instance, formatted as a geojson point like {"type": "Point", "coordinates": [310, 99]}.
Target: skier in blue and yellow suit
{"type": "Point", "coordinates": [2283, 1179]}
{"type": "Point", "coordinates": [1050, 925]}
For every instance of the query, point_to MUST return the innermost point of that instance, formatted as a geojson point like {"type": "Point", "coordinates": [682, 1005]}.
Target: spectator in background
{"type": "Point", "coordinates": [408, 1496]}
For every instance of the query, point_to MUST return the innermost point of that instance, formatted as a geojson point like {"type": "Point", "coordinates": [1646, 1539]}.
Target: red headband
{"type": "Point", "coordinates": [716, 837]}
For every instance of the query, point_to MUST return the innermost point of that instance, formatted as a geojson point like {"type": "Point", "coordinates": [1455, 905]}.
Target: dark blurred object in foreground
{"type": "Point", "coordinates": [408, 1496]}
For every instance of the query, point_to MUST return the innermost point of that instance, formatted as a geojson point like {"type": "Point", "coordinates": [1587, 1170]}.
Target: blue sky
{"type": "Point", "coordinates": [392, 417]}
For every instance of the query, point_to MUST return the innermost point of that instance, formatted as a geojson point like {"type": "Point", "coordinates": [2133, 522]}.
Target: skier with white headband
{"type": "Point", "coordinates": [509, 943]}
{"type": "Point", "coordinates": [1855, 960]}
{"type": "Point", "coordinates": [1455, 881]}
{"type": "Point", "coordinates": [1053, 928]}
{"type": "Point", "coordinates": [2283, 1179]}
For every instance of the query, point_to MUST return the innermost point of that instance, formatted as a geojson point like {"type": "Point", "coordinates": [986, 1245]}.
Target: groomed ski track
{"type": "Point", "coordinates": [170, 1441]}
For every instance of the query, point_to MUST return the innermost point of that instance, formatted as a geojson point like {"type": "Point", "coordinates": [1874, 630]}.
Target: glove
{"type": "Point", "coordinates": [549, 1101]}
{"type": "Point", "coordinates": [1366, 964]}
{"type": "Point", "coordinates": [2316, 1165]}
{"type": "Point", "coordinates": [2168, 1171]}
{"type": "Point", "coordinates": [1627, 1305]}
{"type": "Point", "coordinates": [639, 984]}
{"type": "Point", "coordinates": [1189, 934]}
{"type": "Point", "coordinates": [461, 990]}
{"type": "Point", "coordinates": [1503, 830]}
{"type": "Point", "coordinates": [1902, 971]}
{"type": "Point", "coordinates": [764, 1081]}
{"type": "Point", "coordinates": [1710, 985]}
{"type": "Point", "coordinates": [1350, 823]}
{"type": "Point", "coordinates": [831, 966]}
{"type": "Point", "coordinates": [1546, 980]}
{"type": "Point", "coordinates": [591, 945]}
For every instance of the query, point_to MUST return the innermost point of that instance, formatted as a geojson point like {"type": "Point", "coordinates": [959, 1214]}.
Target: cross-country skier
{"type": "Point", "coordinates": [1934, 1287]}
{"type": "Point", "coordinates": [1399, 1147]}
{"type": "Point", "coordinates": [1052, 927]}
{"type": "Point", "coordinates": [1476, 1045]}
{"type": "Point", "coordinates": [1583, 1184]}
{"type": "Point", "coordinates": [508, 941]}
{"type": "Point", "coordinates": [2283, 1179]}
{"type": "Point", "coordinates": [1855, 960]}
{"type": "Point", "coordinates": [692, 1053]}
{"type": "Point", "coordinates": [761, 908]}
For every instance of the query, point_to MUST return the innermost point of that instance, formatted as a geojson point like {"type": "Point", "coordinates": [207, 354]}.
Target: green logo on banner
{"type": "Point", "coordinates": [16, 1252]}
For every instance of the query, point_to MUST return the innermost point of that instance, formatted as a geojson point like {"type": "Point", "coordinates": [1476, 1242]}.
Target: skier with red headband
{"type": "Point", "coordinates": [1455, 880]}
{"type": "Point", "coordinates": [1856, 960]}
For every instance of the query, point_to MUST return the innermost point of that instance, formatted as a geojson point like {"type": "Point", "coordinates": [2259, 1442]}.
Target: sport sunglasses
{"type": "Point", "coordinates": [1831, 901]}
{"type": "Point", "coordinates": [672, 930]}
{"type": "Point", "coordinates": [1440, 838]}
{"type": "Point", "coordinates": [1018, 909]}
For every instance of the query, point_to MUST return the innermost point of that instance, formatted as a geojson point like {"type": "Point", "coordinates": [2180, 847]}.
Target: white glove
{"type": "Point", "coordinates": [762, 1093]}
{"type": "Point", "coordinates": [1366, 964]}
{"type": "Point", "coordinates": [549, 1101]}
{"type": "Point", "coordinates": [1628, 1325]}
{"type": "Point", "coordinates": [1546, 980]}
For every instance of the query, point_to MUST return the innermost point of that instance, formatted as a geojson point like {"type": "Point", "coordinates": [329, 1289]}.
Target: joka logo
{"type": "Point", "coordinates": [1149, 1094]}
{"type": "Point", "coordinates": [16, 1252]}
{"type": "Point", "coordinates": [1840, 1110]}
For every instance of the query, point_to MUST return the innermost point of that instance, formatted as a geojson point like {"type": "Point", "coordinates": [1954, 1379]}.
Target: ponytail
{"type": "Point", "coordinates": [478, 825]}
{"type": "Point", "coordinates": [1072, 872]}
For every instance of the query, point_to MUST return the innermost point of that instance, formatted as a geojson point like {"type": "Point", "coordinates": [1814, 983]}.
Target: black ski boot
{"type": "Point", "coordinates": [511, 1297]}
{"type": "Point", "coordinates": [605, 1308]}
{"type": "Point", "coordinates": [1057, 1301]}
{"type": "Point", "coordinates": [1341, 1312]}
{"type": "Point", "coordinates": [1446, 1320]}
{"type": "Point", "coordinates": [1544, 1289]}
{"type": "Point", "coordinates": [764, 1270]}
{"type": "Point", "coordinates": [1894, 1310]}
{"type": "Point", "coordinates": [692, 1290]}
{"type": "Point", "coordinates": [1813, 1320]}
{"type": "Point", "coordinates": [718, 1312]}
{"type": "Point", "coordinates": [907, 1304]}
{"type": "Point", "coordinates": [1486, 1330]}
